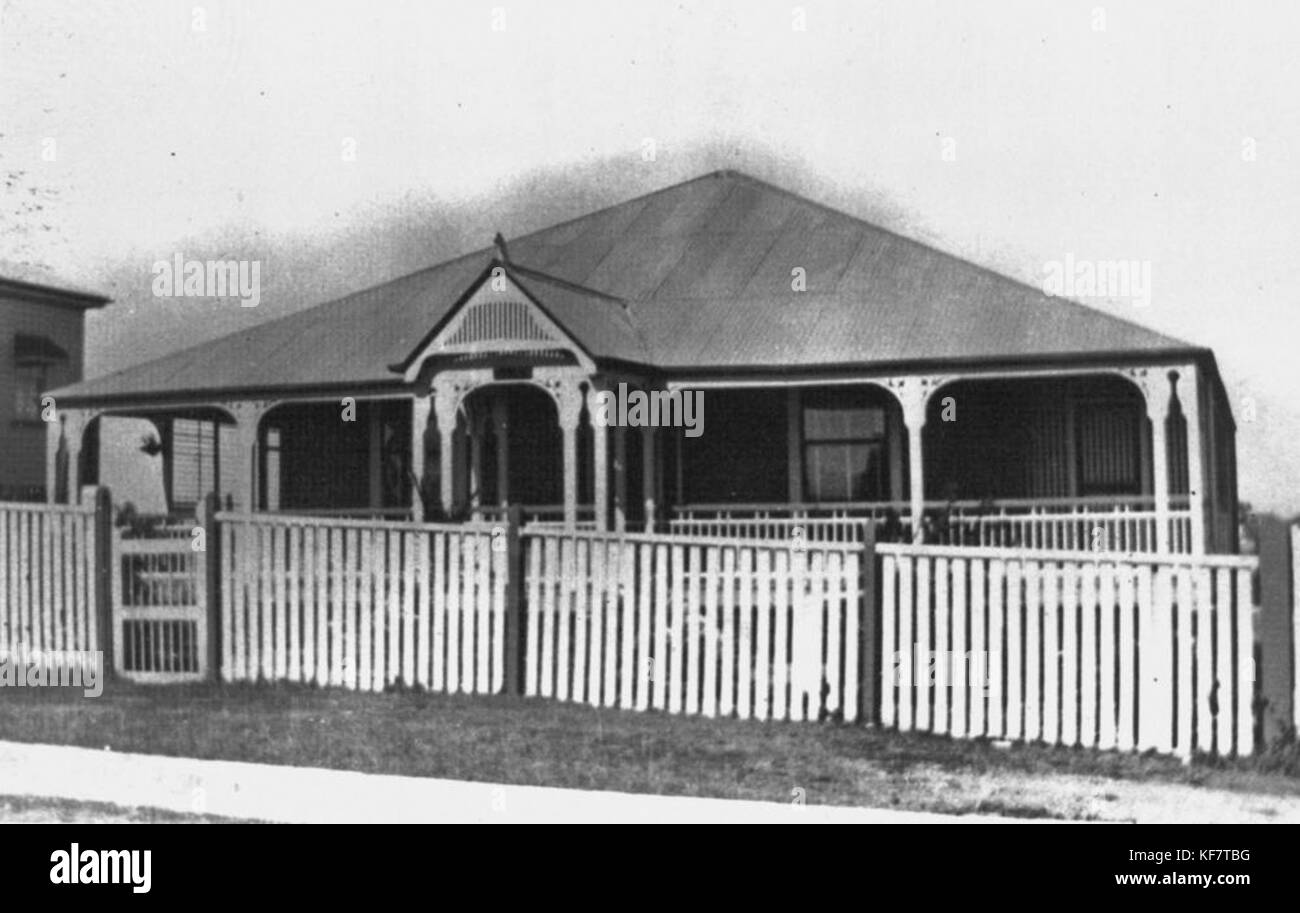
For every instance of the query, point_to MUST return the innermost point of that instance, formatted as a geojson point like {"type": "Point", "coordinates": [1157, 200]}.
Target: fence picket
{"type": "Point", "coordinates": [711, 633]}
{"type": "Point", "coordinates": [599, 597]}
{"type": "Point", "coordinates": [888, 641]}
{"type": "Point", "coordinates": [943, 652]}
{"type": "Point", "coordinates": [1184, 696]}
{"type": "Point", "coordinates": [1014, 716]}
{"type": "Point", "coordinates": [455, 583]}
{"type": "Point", "coordinates": [581, 613]}
{"type": "Point", "coordinates": [788, 570]}
{"type": "Point", "coordinates": [763, 634]}
{"type": "Point", "coordinates": [923, 646]}
{"type": "Point", "coordinates": [657, 665]}
{"type": "Point", "coordinates": [1204, 660]}
{"type": "Point", "coordinates": [620, 617]}
{"type": "Point", "coordinates": [677, 631]}
{"type": "Point", "coordinates": [1070, 690]}
{"type": "Point", "coordinates": [408, 649]}
{"type": "Point", "coordinates": [1224, 680]}
{"type": "Point", "coordinates": [834, 611]}
{"type": "Point", "coordinates": [532, 640]}
{"type": "Point", "coordinates": [906, 644]}
{"type": "Point", "coordinates": [294, 606]}
{"type": "Point", "coordinates": [279, 539]}
{"type": "Point", "coordinates": [997, 650]}
{"type": "Point", "coordinates": [483, 618]}
{"type": "Point", "coordinates": [745, 635]}
{"type": "Point", "coordinates": [1127, 613]}
{"type": "Point", "coordinates": [443, 585]}
{"type": "Point", "coordinates": [370, 609]}
{"type": "Point", "coordinates": [852, 635]}
{"type": "Point", "coordinates": [1106, 733]}
{"type": "Point", "coordinates": [961, 674]}
{"type": "Point", "coordinates": [1088, 658]}
{"type": "Point", "coordinates": [1052, 654]}
{"type": "Point", "coordinates": [1033, 652]}
{"type": "Point", "coordinates": [424, 608]}
{"type": "Point", "coordinates": [309, 568]}
{"type": "Point", "coordinates": [730, 581]}
{"type": "Point", "coordinates": [1245, 665]}
{"type": "Point", "coordinates": [468, 606]}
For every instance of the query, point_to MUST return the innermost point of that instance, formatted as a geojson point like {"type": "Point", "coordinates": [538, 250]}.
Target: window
{"type": "Point", "coordinates": [844, 447]}
{"type": "Point", "coordinates": [38, 365]}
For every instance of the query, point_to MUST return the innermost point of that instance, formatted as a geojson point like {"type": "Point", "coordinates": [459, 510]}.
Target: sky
{"type": "Point", "coordinates": [343, 144]}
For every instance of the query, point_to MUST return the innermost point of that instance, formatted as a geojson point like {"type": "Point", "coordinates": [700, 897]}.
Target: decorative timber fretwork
{"type": "Point", "coordinates": [497, 322]}
{"type": "Point", "coordinates": [913, 393]}
{"type": "Point", "coordinates": [499, 317]}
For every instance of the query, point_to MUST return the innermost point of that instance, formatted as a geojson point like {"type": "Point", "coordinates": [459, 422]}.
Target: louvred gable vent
{"type": "Point", "coordinates": [498, 321]}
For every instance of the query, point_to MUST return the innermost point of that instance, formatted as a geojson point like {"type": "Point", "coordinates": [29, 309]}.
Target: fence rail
{"type": "Point", "coordinates": [1127, 525]}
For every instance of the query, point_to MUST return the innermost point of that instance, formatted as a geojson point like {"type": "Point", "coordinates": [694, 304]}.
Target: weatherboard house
{"type": "Point", "coordinates": [834, 372]}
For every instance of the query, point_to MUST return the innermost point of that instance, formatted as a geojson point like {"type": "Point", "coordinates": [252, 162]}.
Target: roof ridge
{"type": "Point", "coordinates": [639, 197]}
{"type": "Point", "coordinates": [623, 306]}
{"type": "Point", "coordinates": [557, 280]}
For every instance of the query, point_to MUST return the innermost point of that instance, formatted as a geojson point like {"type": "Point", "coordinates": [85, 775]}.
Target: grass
{"type": "Point", "coordinates": [548, 743]}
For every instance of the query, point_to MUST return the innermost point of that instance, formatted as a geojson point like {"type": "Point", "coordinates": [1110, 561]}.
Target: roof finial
{"type": "Point", "coordinates": [500, 243]}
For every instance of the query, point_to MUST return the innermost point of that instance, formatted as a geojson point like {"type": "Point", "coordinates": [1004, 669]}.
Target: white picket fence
{"type": "Point", "coordinates": [362, 604]}
{"type": "Point", "coordinates": [1145, 652]}
{"type": "Point", "coordinates": [48, 592]}
{"type": "Point", "coordinates": [696, 626]}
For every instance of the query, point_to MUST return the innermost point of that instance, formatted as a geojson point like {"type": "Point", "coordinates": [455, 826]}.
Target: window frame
{"type": "Point", "coordinates": [849, 400]}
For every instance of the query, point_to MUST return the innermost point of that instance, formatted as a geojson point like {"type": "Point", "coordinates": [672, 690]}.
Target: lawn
{"type": "Point", "coordinates": [547, 743]}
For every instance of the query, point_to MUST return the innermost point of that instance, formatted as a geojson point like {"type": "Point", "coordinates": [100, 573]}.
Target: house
{"type": "Point", "coordinates": [846, 372]}
{"type": "Point", "coordinates": [42, 329]}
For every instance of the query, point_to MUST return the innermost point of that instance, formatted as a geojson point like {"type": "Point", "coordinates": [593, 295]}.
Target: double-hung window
{"type": "Point", "coordinates": [843, 447]}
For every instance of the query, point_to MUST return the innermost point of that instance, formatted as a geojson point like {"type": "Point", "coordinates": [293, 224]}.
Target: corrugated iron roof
{"type": "Point", "coordinates": [697, 275]}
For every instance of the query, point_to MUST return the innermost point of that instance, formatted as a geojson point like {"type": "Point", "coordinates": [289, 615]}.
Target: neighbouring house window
{"type": "Point", "coordinates": [844, 447]}
{"type": "Point", "coordinates": [39, 364]}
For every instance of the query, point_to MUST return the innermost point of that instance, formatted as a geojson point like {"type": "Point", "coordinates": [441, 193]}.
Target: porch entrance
{"type": "Point", "coordinates": [512, 449]}
{"type": "Point", "coordinates": [159, 604]}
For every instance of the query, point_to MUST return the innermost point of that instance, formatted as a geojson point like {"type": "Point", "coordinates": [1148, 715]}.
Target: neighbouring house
{"type": "Point", "coordinates": [42, 329]}
{"type": "Point", "coordinates": [848, 374]}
